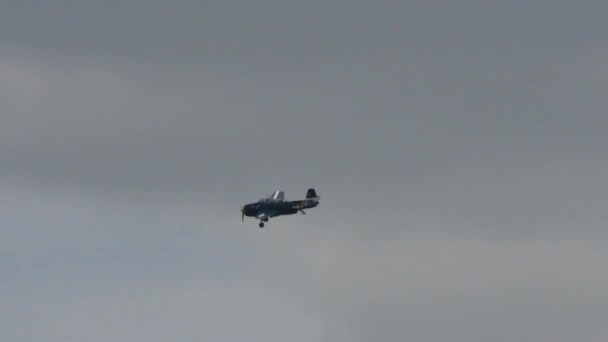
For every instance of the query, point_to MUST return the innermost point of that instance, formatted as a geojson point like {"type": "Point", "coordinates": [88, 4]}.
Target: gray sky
{"type": "Point", "coordinates": [459, 149]}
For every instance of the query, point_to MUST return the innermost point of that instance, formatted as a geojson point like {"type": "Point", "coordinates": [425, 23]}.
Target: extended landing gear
{"type": "Point", "coordinates": [262, 220]}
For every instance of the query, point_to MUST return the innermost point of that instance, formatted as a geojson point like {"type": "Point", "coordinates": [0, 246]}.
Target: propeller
{"type": "Point", "coordinates": [242, 214]}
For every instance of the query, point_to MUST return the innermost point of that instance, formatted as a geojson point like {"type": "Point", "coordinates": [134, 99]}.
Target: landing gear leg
{"type": "Point", "coordinates": [261, 225]}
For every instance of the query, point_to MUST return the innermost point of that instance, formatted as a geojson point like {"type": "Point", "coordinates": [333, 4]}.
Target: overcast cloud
{"type": "Point", "coordinates": [459, 149]}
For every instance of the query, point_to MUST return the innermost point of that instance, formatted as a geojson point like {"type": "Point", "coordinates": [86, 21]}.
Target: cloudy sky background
{"type": "Point", "coordinates": [459, 149]}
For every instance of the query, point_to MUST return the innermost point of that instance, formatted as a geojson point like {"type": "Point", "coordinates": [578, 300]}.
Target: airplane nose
{"type": "Point", "coordinates": [247, 209]}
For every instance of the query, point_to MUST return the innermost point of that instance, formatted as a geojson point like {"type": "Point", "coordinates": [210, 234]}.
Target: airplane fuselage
{"type": "Point", "coordinates": [272, 209]}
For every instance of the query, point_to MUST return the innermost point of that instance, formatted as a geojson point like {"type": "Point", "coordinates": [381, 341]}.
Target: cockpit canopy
{"type": "Point", "coordinates": [277, 196]}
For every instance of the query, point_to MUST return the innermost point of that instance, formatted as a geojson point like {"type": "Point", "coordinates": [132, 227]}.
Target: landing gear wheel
{"type": "Point", "coordinates": [265, 219]}
{"type": "Point", "coordinates": [261, 224]}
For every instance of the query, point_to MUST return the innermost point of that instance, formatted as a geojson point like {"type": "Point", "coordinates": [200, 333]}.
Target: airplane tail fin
{"type": "Point", "coordinates": [311, 193]}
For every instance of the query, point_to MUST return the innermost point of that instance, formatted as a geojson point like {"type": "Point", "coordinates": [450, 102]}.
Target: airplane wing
{"type": "Point", "coordinates": [267, 214]}
{"type": "Point", "coordinates": [261, 215]}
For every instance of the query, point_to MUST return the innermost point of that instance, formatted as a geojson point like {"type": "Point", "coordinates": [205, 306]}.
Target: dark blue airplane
{"type": "Point", "coordinates": [276, 205]}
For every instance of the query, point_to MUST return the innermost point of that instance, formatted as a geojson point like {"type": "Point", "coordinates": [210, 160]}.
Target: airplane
{"type": "Point", "coordinates": [276, 205]}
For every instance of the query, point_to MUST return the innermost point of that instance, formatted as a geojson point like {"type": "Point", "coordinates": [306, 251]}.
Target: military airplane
{"type": "Point", "coordinates": [276, 205]}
